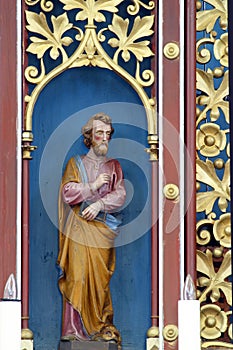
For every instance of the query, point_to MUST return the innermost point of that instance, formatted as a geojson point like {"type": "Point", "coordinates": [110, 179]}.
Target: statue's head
{"type": "Point", "coordinates": [98, 130]}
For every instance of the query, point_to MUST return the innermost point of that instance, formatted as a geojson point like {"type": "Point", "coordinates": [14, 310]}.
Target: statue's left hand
{"type": "Point", "coordinates": [92, 211]}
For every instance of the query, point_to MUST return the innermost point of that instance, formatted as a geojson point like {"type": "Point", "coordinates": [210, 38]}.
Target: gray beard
{"type": "Point", "coordinates": [100, 150]}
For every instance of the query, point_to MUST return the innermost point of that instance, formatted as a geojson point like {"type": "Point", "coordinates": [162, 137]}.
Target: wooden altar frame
{"type": "Point", "coordinates": [8, 156]}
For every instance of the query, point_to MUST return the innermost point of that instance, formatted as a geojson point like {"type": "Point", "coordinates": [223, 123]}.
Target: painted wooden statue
{"type": "Point", "coordinates": [92, 188]}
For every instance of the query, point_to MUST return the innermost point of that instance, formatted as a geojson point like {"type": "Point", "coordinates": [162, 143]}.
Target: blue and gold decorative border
{"type": "Point", "coordinates": [213, 173]}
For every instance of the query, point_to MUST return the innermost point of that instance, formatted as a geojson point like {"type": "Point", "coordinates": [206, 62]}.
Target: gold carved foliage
{"type": "Point", "coordinates": [133, 9]}
{"type": "Point", "coordinates": [221, 49]}
{"type": "Point", "coordinates": [211, 139]}
{"type": "Point", "coordinates": [52, 39]}
{"type": "Point", "coordinates": [128, 38]}
{"type": "Point", "coordinates": [214, 267]}
{"type": "Point", "coordinates": [90, 9]}
{"type": "Point", "coordinates": [213, 321]}
{"type": "Point", "coordinates": [206, 19]}
{"type": "Point", "coordinates": [127, 43]}
{"type": "Point", "coordinates": [55, 40]}
{"type": "Point", "coordinates": [213, 282]}
{"type": "Point", "coordinates": [212, 99]}
{"type": "Point", "coordinates": [90, 56]}
{"type": "Point", "coordinates": [222, 230]}
{"type": "Point", "coordinates": [220, 189]}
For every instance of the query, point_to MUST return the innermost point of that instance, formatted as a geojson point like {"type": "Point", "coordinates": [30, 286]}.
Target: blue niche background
{"type": "Point", "coordinates": [86, 91]}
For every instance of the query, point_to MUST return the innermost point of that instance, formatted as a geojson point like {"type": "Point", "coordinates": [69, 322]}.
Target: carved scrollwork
{"type": "Point", "coordinates": [220, 49]}
{"type": "Point", "coordinates": [204, 230]}
{"type": "Point", "coordinates": [147, 78]}
{"type": "Point", "coordinates": [127, 38]}
{"type": "Point", "coordinates": [46, 5]}
{"type": "Point", "coordinates": [134, 9]}
{"type": "Point", "coordinates": [32, 73]}
{"type": "Point", "coordinates": [203, 55]}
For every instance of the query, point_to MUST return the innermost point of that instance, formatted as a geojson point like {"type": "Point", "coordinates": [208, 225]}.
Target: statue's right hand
{"type": "Point", "coordinates": [101, 180]}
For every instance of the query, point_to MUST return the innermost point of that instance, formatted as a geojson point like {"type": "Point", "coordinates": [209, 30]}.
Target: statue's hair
{"type": "Point", "coordinates": [87, 128]}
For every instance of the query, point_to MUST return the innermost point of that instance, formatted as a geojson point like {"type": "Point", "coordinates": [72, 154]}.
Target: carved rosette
{"type": "Point", "coordinates": [213, 174]}
{"type": "Point", "coordinates": [92, 33]}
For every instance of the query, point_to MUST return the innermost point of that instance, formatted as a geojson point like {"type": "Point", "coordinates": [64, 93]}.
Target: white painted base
{"type": "Point", "coordinates": [152, 344]}
{"type": "Point", "coordinates": [26, 344]}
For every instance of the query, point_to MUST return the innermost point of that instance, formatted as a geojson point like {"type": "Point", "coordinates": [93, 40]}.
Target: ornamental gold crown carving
{"type": "Point", "coordinates": [85, 39]}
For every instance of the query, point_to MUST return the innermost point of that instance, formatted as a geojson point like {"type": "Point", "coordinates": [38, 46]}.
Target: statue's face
{"type": "Point", "coordinates": [101, 134]}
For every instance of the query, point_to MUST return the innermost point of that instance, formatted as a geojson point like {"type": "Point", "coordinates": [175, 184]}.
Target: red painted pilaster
{"type": "Point", "coordinates": [8, 116]}
{"type": "Point", "coordinates": [171, 161]}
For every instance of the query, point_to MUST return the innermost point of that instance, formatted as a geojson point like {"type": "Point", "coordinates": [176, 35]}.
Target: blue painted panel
{"type": "Point", "coordinates": [62, 108]}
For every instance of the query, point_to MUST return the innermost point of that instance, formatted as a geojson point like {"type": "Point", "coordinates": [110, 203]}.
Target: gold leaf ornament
{"type": "Point", "coordinates": [54, 41]}
{"type": "Point", "coordinates": [216, 279]}
{"type": "Point", "coordinates": [45, 5]}
{"type": "Point", "coordinates": [204, 228]}
{"type": "Point", "coordinates": [90, 57]}
{"type": "Point", "coordinates": [133, 9]}
{"type": "Point", "coordinates": [90, 9]}
{"type": "Point", "coordinates": [213, 321]}
{"type": "Point", "coordinates": [210, 139]}
{"type": "Point", "coordinates": [128, 43]}
{"type": "Point", "coordinates": [212, 99]}
{"type": "Point", "coordinates": [222, 230]}
{"type": "Point", "coordinates": [206, 19]}
{"type": "Point", "coordinates": [206, 173]}
{"type": "Point", "coordinates": [221, 49]}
